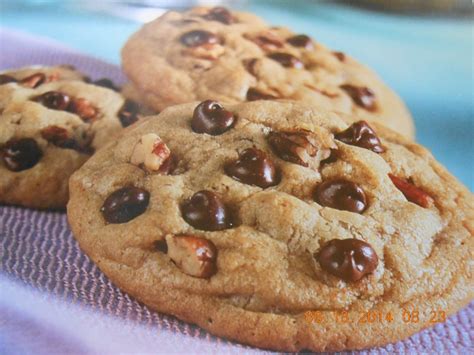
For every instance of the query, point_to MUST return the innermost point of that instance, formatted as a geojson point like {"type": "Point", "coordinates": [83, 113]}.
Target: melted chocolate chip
{"type": "Point", "coordinates": [287, 60]}
{"type": "Point", "coordinates": [255, 94]}
{"type": "Point", "coordinates": [333, 156]}
{"type": "Point", "coordinates": [362, 96]}
{"type": "Point", "coordinates": [54, 100]}
{"type": "Point", "coordinates": [254, 168]}
{"type": "Point", "coordinates": [342, 195]}
{"type": "Point", "coordinates": [198, 38]}
{"type": "Point", "coordinates": [250, 64]}
{"type": "Point", "coordinates": [21, 154]}
{"type": "Point", "coordinates": [34, 80]}
{"type": "Point", "coordinates": [211, 118]}
{"type": "Point", "coordinates": [106, 83]}
{"type": "Point", "coordinates": [128, 114]}
{"type": "Point", "coordinates": [220, 14]}
{"type": "Point", "coordinates": [361, 135]}
{"type": "Point", "coordinates": [301, 41]}
{"type": "Point", "coordinates": [348, 259]}
{"type": "Point", "coordinates": [206, 211]}
{"type": "Point", "coordinates": [5, 79]}
{"type": "Point", "coordinates": [125, 204]}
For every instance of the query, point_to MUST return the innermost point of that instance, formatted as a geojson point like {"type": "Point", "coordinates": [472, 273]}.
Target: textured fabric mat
{"type": "Point", "coordinates": [54, 300]}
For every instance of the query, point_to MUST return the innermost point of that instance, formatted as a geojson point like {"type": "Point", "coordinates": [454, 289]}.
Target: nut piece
{"type": "Point", "coordinates": [151, 153]}
{"type": "Point", "coordinates": [411, 192]}
{"type": "Point", "coordinates": [299, 147]}
{"type": "Point", "coordinates": [195, 256]}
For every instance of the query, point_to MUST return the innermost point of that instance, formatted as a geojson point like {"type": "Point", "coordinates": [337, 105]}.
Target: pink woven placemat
{"type": "Point", "coordinates": [53, 299]}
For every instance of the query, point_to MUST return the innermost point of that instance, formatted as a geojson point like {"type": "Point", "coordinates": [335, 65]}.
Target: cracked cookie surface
{"type": "Point", "coordinates": [51, 120]}
{"type": "Point", "coordinates": [230, 56]}
{"type": "Point", "coordinates": [285, 210]}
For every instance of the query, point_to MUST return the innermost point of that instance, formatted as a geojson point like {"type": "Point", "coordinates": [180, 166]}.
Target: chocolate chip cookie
{"type": "Point", "coordinates": [278, 225]}
{"type": "Point", "coordinates": [51, 120]}
{"type": "Point", "coordinates": [230, 56]}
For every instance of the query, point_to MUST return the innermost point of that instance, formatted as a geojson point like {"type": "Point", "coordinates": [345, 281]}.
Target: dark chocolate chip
{"type": "Point", "coordinates": [106, 83]}
{"type": "Point", "coordinates": [54, 100]}
{"type": "Point", "coordinates": [206, 211]}
{"type": "Point", "coordinates": [211, 118]}
{"type": "Point", "coordinates": [220, 14]}
{"type": "Point", "coordinates": [125, 204]}
{"type": "Point", "coordinates": [362, 96]}
{"type": "Point", "coordinates": [21, 154]}
{"type": "Point", "coordinates": [301, 41]}
{"type": "Point", "coordinates": [198, 38]}
{"type": "Point", "coordinates": [161, 246]}
{"type": "Point", "coordinates": [287, 60]}
{"type": "Point", "coordinates": [5, 79]}
{"type": "Point", "coordinates": [348, 259]}
{"type": "Point", "coordinates": [342, 195]}
{"type": "Point", "coordinates": [295, 147]}
{"type": "Point", "coordinates": [128, 114]}
{"type": "Point", "coordinates": [255, 94]}
{"type": "Point", "coordinates": [361, 135]}
{"type": "Point", "coordinates": [254, 167]}
{"type": "Point", "coordinates": [34, 80]}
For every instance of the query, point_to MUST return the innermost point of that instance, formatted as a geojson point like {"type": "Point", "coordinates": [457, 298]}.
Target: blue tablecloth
{"type": "Point", "coordinates": [427, 60]}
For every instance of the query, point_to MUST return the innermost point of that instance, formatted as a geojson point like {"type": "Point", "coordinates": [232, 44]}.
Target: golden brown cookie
{"type": "Point", "coordinates": [278, 225]}
{"type": "Point", "coordinates": [212, 53]}
{"type": "Point", "coordinates": [51, 121]}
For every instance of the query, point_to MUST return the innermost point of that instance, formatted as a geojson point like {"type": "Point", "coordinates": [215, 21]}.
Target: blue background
{"type": "Point", "coordinates": [427, 60]}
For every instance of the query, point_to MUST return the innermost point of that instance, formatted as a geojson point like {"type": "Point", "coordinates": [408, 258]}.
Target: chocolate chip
{"type": "Point", "coordinates": [287, 60]}
{"type": "Point", "coordinates": [54, 100]}
{"type": "Point", "coordinates": [195, 256]}
{"type": "Point", "coordinates": [362, 96]}
{"type": "Point", "coordinates": [266, 40]}
{"type": "Point", "coordinates": [348, 259]}
{"type": "Point", "coordinates": [220, 14]}
{"type": "Point", "coordinates": [128, 113]}
{"type": "Point", "coordinates": [106, 83]}
{"type": "Point", "coordinates": [411, 192]}
{"type": "Point", "coordinates": [161, 246]}
{"type": "Point", "coordinates": [125, 204]}
{"type": "Point", "coordinates": [21, 154]}
{"type": "Point", "coordinates": [253, 167]}
{"type": "Point", "coordinates": [361, 135]}
{"type": "Point", "coordinates": [295, 147]}
{"type": "Point", "coordinates": [339, 55]}
{"type": "Point", "coordinates": [301, 41]}
{"type": "Point", "coordinates": [198, 38]}
{"type": "Point", "coordinates": [211, 118]}
{"type": "Point", "coordinates": [206, 211]}
{"type": "Point", "coordinates": [34, 80]}
{"type": "Point", "coordinates": [5, 79]}
{"type": "Point", "coordinates": [333, 156]}
{"type": "Point", "coordinates": [342, 195]}
{"type": "Point", "coordinates": [83, 108]}
{"type": "Point", "coordinates": [255, 94]}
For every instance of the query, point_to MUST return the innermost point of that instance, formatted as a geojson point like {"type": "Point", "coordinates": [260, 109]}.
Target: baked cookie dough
{"type": "Point", "coordinates": [213, 53]}
{"type": "Point", "coordinates": [52, 119]}
{"type": "Point", "coordinates": [278, 225]}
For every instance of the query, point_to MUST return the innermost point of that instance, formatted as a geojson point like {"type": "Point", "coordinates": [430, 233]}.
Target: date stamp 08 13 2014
{"type": "Point", "coordinates": [375, 316]}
